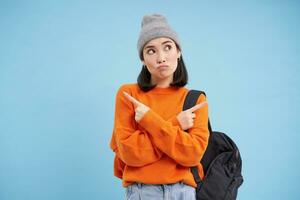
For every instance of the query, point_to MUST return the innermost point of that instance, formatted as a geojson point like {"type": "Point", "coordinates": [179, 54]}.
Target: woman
{"type": "Point", "coordinates": [153, 150]}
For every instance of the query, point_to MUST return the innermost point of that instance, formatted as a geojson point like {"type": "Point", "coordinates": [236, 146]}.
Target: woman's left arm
{"type": "Point", "coordinates": [185, 148]}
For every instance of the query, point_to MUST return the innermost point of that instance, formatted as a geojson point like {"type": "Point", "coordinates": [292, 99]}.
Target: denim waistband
{"type": "Point", "coordinates": [161, 186]}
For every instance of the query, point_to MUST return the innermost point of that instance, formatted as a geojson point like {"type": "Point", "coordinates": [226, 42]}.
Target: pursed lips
{"type": "Point", "coordinates": [162, 66]}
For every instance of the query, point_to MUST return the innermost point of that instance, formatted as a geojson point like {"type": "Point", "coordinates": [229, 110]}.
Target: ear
{"type": "Point", "coordinates": [178, 53]}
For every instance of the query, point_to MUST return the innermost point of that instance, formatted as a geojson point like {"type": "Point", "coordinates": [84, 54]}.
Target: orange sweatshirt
{"type": "Point", "coordinates": [156, 150]}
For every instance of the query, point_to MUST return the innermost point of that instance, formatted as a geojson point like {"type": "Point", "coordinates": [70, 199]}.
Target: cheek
{"type": "Point", "coordinates": [173, 59]}
{"type": "Point", "coordinates": [149, 66]}
{"type": "Point", "coordinates": [150, 62]}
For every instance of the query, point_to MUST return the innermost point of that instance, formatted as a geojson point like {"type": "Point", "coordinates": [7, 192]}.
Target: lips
{"type": "Point", "coordinates": [162, 66]}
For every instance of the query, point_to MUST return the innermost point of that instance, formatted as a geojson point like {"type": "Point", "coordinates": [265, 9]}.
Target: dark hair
{"type": "Point", "coordinates": [180, 77]}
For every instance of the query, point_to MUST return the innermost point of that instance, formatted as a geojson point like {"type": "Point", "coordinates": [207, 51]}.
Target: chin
{"type": "Point", "coordinates": [165, 76]}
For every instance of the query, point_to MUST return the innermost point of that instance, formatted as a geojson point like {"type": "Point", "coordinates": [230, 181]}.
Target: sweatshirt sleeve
{"type": "Point", "coordinates": [131, 144]}
{"type": "Point", "coordinates": [186, 148]}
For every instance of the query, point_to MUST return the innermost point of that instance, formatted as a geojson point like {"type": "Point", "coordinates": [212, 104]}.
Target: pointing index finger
{"type": "Point", "coordinates": [198, 106]}
{"type": "Point", "coordinates": [130, 98]}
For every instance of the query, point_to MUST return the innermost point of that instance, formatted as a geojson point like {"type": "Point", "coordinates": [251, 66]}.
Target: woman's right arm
{"type": "Point", "coordinates": [132, 145]}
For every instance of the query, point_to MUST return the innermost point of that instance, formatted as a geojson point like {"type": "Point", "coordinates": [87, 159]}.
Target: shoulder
{"type": "Point", "coordinates": [130, 88]}
{"type": "Point", "coordinates": [202, 96]}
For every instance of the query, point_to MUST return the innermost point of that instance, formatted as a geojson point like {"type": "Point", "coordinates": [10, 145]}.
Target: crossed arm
{"type": "Point", "coordinates": [139, 147]}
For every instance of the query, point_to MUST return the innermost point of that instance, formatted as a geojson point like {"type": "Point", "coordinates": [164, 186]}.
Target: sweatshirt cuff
{"type": "Point", "coordinates": [174, 121]}
{"type": "Point", "coordinates": [153, 123]}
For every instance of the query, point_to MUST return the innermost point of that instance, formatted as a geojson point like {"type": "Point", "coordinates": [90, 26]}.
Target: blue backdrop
{"type": "Point", "coordinates": [61, 63]}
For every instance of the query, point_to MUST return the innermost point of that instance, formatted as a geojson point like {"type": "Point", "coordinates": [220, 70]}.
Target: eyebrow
{"type": "Point", "coordinates": [151, 46]}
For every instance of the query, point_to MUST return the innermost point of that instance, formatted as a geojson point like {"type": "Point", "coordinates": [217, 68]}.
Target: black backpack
{"type": "Point", "coordinates": [221, 162]}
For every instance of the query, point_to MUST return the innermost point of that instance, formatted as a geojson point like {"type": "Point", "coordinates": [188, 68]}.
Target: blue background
{"type": "Point", "coordinates": [61, 63]}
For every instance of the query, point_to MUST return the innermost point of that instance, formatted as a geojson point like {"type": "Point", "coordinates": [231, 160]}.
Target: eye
{"type": "Point", "coordinates": [168, 47]}
{"type": "Point", "coordinates": [150, 51]}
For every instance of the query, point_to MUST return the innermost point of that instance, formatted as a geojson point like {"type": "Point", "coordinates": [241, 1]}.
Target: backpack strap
{"type": "Point", "coordinates": [191, 100]}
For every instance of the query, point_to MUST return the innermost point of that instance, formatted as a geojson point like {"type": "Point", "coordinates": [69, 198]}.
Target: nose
{"type": "Point", "coordinates": [161, 57]}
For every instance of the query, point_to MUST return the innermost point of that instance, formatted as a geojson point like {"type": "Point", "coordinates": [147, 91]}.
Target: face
{"type": "Point", "coordinates": [161, 59]}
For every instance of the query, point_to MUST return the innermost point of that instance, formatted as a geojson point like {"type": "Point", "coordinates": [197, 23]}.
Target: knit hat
{"type": "Point", "coordinates": [154, 26]}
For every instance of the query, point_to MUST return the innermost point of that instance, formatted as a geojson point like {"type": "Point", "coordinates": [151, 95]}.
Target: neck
{"type": "Point", "coordinates": [163, 83]}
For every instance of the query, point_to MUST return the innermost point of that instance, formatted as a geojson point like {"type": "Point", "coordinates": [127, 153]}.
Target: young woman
{"type": "Point", "coordinates": [154, 141]}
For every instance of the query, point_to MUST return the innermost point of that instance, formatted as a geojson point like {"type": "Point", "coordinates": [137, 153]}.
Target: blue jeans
{"type": "Point", "coordinates": [176, 191]}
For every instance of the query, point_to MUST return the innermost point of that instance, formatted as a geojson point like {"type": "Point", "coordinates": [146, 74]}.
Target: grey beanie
{"type": "Point", "coordinates": [154, 26]}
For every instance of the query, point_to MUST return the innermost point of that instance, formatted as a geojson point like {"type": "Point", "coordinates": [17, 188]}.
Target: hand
{"type": "Point", "coordinates": [140, 109]}
{"type": "Point", "coordinates": [186, 118]}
